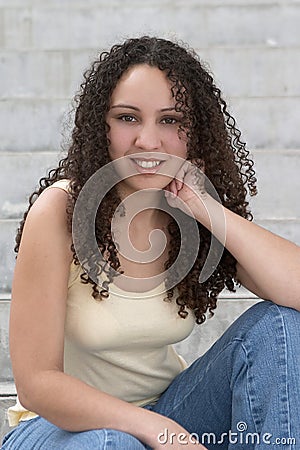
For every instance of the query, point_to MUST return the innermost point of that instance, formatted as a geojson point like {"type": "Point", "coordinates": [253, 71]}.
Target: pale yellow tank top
{"type": "Point", "coordinates": [121, 345]}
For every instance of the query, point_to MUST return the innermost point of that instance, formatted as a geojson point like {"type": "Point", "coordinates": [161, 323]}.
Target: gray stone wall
{"type": "Point", "coordinates": [252, 47]}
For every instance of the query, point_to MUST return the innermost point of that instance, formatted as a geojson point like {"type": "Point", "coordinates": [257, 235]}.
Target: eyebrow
{"type": "Point", "coordinates": [121, 105]}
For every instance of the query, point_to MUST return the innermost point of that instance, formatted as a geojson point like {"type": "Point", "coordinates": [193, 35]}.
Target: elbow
{"type": "Point", "coordinates": [23, 400]}
{"type": "Point", "coordinates": [33, 391]}
{"type": "Point", "coordinates": [26, 396]}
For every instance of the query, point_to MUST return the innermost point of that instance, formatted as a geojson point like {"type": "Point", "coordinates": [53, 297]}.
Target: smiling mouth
{"type": "Point", "coordinates": [147, 165]}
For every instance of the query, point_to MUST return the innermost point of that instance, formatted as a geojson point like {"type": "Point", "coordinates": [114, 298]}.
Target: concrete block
{"type": "Point", "coordinates": [5, 403]}
{"type": "Point", "coordinates": [64, 3]}
{"type": "Point", "coordinates": [7, 388]}
{"type": "Point", "coordinates": [252, 72]}
{"type": "Point", "coordinates": [80, 61]}
{"type": "Point", "coordinates": [244, 73]}
{"type": "Point", "coordinates": [240, 72]}
{"type": "Point", "coordinates": [65, 30]}
{"type": "Point", "coordinates": [6, 372]}
{"type": "Point", "coordinates": [20, 175]}
{"type": "Point", "coordinates": [17, 27]}
{"type": "Point", "coordinates": [278, 185]}
{"type": "Point", "coordinates": [289, 15]}
{"type": "Point", "coordinates": [8, 231]}
{"type": "Point", "coordinates": [271, 25]}
{"type": "Point", "coordinates": [32, 125]}
{"type": "Point", "coordinates": [2, 39]}
{"type": "Point", "coordinates": [199, 24]}
{"type": "Point", "coordinates": [267, 122]}
{"type": "Point", "coordinates": [28, 74]}
{"type": "Point", "coordinates": [120, 3]}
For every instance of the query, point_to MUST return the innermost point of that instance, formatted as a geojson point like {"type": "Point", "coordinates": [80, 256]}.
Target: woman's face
{"type": "Point", "coordinates": [144, 127]}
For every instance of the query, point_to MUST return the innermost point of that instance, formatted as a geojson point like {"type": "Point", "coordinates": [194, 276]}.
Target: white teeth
{"type": "Point", "coordinates": [147, 164]}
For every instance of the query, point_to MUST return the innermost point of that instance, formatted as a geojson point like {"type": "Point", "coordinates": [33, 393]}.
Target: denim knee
{"type": "Point", "coordinates": [269, 317]}
{"type": "Point", "coordinates": [265, 336]}
{"type": "Point", "coordinates": [264, 368]}
{"type": "Point", "coordinates": [262, 319]}
{"type": "Point", "coordinates": [40, 434]}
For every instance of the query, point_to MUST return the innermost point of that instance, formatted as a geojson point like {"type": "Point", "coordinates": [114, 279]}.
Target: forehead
{"type": "Point", "coordinates": [143, 83]}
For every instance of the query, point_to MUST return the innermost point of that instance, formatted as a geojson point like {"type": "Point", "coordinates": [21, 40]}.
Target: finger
{"type": "Point", "coordinates": [179, 184]}
{"type": "Point", "coordinates": [180, 176]}
{"type": "Point", "coordinates": [173, 188]}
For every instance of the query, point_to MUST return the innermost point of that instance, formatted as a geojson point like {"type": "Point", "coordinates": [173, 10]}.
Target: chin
{"type": "Point", "coordinates": [149, 181]}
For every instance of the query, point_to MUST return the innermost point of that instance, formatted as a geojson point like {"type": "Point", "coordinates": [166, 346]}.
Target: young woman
{"type": "Point", "coordinates": [91, 335]}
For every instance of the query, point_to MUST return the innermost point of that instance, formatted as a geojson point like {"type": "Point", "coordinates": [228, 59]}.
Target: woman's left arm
{"type": "Point", "coordinates": [267, 264]}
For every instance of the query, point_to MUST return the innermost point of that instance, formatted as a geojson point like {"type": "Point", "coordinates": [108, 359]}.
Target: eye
{"type": "Point", "coordinates": [127, 118]}
{"type": "Point", "coordinates": [170, 120]}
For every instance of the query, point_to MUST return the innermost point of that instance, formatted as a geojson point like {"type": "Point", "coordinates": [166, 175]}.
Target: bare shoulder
{"type": "Point", "coordinates": [47, 221]}
{"type": "Point", "coordinates": [52, 204]}
{"type": "Point", "coordinates": [44, 257]}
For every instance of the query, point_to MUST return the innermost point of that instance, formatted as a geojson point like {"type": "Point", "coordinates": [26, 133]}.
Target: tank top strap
{"type": "Point", "coordinates": [60, 184]}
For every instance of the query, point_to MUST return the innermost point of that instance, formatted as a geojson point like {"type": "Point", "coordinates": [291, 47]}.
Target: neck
{"type": "Point", "coordinates": [143, 209]}
{"type": "Point", "coordinates": [132, 231]}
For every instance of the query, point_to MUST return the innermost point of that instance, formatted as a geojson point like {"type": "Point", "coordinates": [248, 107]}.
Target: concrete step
{"type": "Point", "coordinates": [197, 22]}
{"type": "Point", "coordinates": [20, 69]}
{"type": "Point", "coordinates": [5, 402]}
{"type": "Point", "coordinates": [7, 399]}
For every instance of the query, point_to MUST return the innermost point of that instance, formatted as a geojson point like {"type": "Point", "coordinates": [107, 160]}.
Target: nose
{"type": "Point", "coordinates": [148, 137]}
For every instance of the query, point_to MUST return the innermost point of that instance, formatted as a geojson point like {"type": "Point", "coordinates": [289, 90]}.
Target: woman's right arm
{"type": "Point", "coordinates": [38, 310]}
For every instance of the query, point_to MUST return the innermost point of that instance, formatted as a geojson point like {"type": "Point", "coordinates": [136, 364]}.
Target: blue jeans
{"type": "Point", "coordinates": [243, 394]}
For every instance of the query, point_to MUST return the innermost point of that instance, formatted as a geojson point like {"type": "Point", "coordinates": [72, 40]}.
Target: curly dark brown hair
{"type": "Point", "coordinates": [212, 137]}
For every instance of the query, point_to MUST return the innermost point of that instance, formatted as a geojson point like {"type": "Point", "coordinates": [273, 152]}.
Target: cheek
{"type": "Point", "coordinates": [120, 140]}
{"type": "Point", "coordinates": [176, 145]}
{"type": "Point", "coordinates": [180, 148]}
